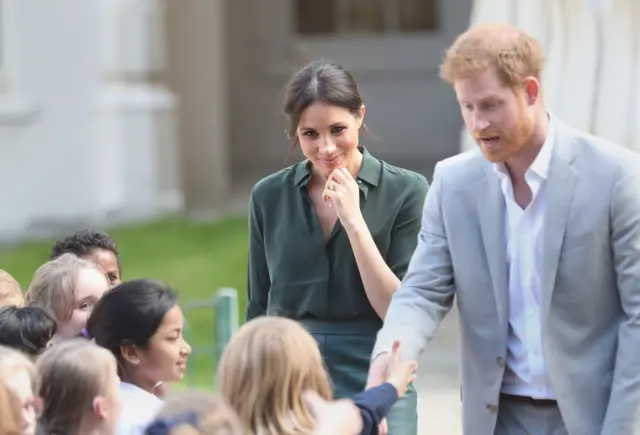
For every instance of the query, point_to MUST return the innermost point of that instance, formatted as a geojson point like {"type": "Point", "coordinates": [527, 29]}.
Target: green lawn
{"type": "Point", "coordinates": [196, 259]}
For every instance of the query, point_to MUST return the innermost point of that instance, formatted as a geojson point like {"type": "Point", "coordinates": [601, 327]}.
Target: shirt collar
{"type": "Point", "coordinates": [540, 165]}
{"type": "Point", "coordinates": [370, 172]}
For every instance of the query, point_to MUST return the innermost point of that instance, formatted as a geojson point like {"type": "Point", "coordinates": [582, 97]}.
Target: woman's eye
{"type": "Point", "coordinates": [311, 134]}
{"type": "Point", "coordinates": [337, 130]}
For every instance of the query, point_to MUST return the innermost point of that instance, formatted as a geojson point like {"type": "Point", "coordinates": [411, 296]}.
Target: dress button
{"type": "Point", "coordinates": [500, 361]}
{"type": "Point", "coordinates": [359, 181]}
{"type": "Point", "coordinates": [492, 408]}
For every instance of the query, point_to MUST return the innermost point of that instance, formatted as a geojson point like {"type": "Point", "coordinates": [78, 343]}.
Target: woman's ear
{"type": "Point", "coordinates": [361, 116]}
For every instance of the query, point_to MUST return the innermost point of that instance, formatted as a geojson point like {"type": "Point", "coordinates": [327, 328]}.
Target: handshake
{"type": "Point", "coordinates": [342, 417]}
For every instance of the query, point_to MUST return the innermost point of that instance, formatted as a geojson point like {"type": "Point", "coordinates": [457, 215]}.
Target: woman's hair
{"type": "Point", "coordinates": [85, 242]}
{"type": "Point", "coordinates": [27, 329]}
{"type": "Point", "coordinates": [10, 418]}
{"type": "Point", "coordinates": [73, 373]}
{"type": "Point", "coordinates": [10, 291]}
{"type": "Point", "coordinates": [195, 413]}
{"type": "Point", "coordinates": [263, 372]}
{"type": "Point", "coordinates": [12, 361]}
{"type": "Point", "coordinates": [319, 81]}
{"type": "Point", "coordinates": [53, 287]}
{"type": "Point", "coordinates": [130, 314]}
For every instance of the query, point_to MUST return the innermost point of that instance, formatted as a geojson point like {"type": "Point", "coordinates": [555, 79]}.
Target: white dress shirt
{"type": "Point", "coordinates": [139, 408]}
{"type": "Point", "coordinates": [526, 371]}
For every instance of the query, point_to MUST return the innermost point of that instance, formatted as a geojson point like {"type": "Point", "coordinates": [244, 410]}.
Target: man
{"type": "Point", "coordinates": [537, 234]}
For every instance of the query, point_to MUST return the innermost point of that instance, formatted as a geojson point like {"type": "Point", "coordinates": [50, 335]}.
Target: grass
{"type": "Point", "coordinates": [196, 259]}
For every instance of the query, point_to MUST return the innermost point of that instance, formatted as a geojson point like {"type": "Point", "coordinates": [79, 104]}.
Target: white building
{"type": "Point", "coordinates": [117, 110]}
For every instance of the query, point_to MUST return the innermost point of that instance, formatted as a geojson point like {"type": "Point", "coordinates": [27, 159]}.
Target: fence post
{"type": "Point", "coordinates": [226, 317]}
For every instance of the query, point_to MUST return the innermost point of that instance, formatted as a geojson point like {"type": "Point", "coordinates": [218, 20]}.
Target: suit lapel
{"type": "Point", "coordinates": [561, 185]}
{"type": "Point", "coordinates": [491, 207]}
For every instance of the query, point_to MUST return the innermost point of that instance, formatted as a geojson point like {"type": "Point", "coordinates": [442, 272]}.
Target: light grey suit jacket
{"type": "Point", "coordinates": [590, 301]}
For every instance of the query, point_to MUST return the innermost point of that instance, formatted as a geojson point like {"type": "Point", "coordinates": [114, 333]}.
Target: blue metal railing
{"type": "Point", "coordinates": [223, 307]}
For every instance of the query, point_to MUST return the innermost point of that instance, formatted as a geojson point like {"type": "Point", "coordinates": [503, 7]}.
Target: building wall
{"type": "Point", "coordinates": [86, 130]}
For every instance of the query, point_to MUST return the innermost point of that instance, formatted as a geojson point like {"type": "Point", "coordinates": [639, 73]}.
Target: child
{"type": "Point", "coordinates": [79, 389]}
{"type": "Point", "coordinates": [21, 378]}
{"type": "Point", "coordinates": [95, 246]}
{"type": "Point", "coordinates": [68, 288]}
{"type": "Point", "coordinates": [141, 323]}
{"type": "Point", "coordinates": [271, 361]}
{"type": "Point", "coordinates": [10, 291]}
{"type": "Point", "coordinates": [28, 329]}
{"type": "Point", "coordinates": [195, 413]}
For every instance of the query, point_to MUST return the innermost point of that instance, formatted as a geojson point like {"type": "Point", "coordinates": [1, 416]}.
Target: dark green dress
{"type": "Point", "coordinates": [295, 273]}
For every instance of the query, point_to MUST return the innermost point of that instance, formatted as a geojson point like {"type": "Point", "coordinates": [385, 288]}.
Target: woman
{"type": "Point", "coordinates": [331, 237]}
{"type": "Point", "coordinates": [79, 389]}
{"type": "Point", "coordinates": [140, 322]}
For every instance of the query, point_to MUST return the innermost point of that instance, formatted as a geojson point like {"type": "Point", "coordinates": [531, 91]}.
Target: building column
{"type": "Point", "coordinates": [18, 114]}
{"type": "Point", "coordinates": [135, 142]}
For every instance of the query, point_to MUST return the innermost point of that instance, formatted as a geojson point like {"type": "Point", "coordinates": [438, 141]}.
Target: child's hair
{"type": "Point", "coordinates": [263, 372]}
{"type": "Point", "coordinates": [73, 373]}
{"type": "Point", "coordinates": [12, 361]}
{"type": "Point", "coordinates": [130, 314]}
{"type": "Point", "coordinates": [27, 329]}
{"type": "Point", "coordinates": [10, 291]}
{"type": "Point", "coordinates": [10, 418]}
{"type": "Point", "coordinates": [83, 243]}
{"type": "Point", "coordinates": [195, 413]}
{"type": "Point", "coordinates": [53, 287]}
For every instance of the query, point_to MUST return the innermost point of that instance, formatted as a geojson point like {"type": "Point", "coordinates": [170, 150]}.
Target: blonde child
{"type": "Point", "coordinates": [79, 389]}
{"type": "Point", "coordinates": [10, 291]}
{"type": "Point", "coordinates": [195, 413]}
{"type": "Point", "coordinates": [68, 288]}
{"type": "Point", "coordinates": [21, 378]}
{"type": "Point", "coordinates": [271, 361]}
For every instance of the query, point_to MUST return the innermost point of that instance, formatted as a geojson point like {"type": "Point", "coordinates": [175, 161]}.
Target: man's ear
{"type": "Point", "coordinates": [531, 91]}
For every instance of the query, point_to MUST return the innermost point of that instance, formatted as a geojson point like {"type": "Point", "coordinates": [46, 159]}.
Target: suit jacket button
{"type": "Point", "coordinates": [500, 361]}
{"type": "Point", "coordinates": [492, 408]}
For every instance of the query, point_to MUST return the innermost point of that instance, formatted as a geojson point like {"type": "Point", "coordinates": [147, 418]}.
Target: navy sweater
{"type": "Point", "coordinates": [374, 404]}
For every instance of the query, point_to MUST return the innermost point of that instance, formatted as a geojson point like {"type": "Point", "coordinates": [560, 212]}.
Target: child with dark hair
{"type": "Point", "coordinates": [141, 323]}
{"type": "Point", "coordinates": [93, 245]}
{"type": "Point", "coordinates": [28, 329]}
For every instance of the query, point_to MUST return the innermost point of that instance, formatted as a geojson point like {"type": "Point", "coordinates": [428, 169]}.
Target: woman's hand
{"type": "Point", "coordinates": [401, 373]}
{"type": "Point", "coordinates": [343, 193]}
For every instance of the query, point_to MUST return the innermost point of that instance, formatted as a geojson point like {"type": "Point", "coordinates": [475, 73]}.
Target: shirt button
{"type": "Point", "coordinates": [500, 361]}
{"type": "Point", "coordinates": [359, 181]}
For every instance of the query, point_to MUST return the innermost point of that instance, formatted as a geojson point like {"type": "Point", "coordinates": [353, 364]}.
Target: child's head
{"type": "Point", "coordinates": [96, 246]}
{"type": "Point", "coordinates": [10, 291]}
{"type": "Point", "coordinates": [263, 372]}
{"type": "Point", "coordinates": [28, 329]}
{"type": "Point", "coordinates": [79, 389]}
{"type": "Point", "coordinates": [196, 413]}
{"type": "Point", "coordinates": [68, 287]}
{"type": "Point", "coordinates": [140, 322]}
{"type": "Point", "coordinates": [21, 378]}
